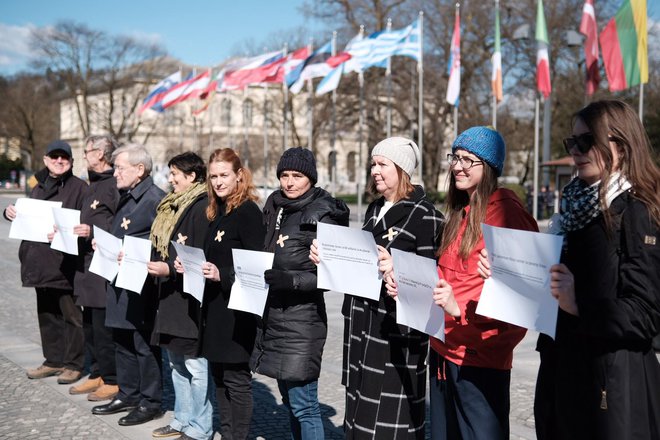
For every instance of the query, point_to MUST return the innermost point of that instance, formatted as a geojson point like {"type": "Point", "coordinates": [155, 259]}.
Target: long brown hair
{"type": "Point", "coordinates": [617, 120]}
{"type": "Point", "coordinates": [403, 189]}
{"type": "Point", "coordinates": [456, 202]}
{"type": "Point", "coordinates": [245, 189]}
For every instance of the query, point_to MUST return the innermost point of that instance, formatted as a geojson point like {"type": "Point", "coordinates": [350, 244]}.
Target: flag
{"type": "Point", "coordinates": [331, 81]}
{"type": "Point", "coordinates": [496, 77]}
{"type": "Point", "coordinates": [410, 45]}
{"type": "Point", "coordinates": [625, 49]}
{"type": "Point", "coordinates": [154, 98]}
{"type": "Point", "coordinates": [542, 58]}
{"type": "Point", "coordinates": [340, 64]}
{"type": "Point", "coordinates": [191, 88]}
{"type": "Point", "coordinates": [251, 70]}
{"type": "Point", "coordinates": [589, 28]}
{"type": "Point", "coordinates": [288, 65]}
{"type": "Point", "coordinates": [315, 66]}
{"type": "Point", "coordinates": [454, 66]}
{"type": "Point", "coordinates": [374, 50]}
{"type": "Point", "coordinates": [206, 96]}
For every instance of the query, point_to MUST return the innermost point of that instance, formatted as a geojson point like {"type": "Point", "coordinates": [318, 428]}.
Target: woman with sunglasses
{"type": "Point", "coordinates": [470, 372]}
{"type": "Point", "coordinates": [600, 378]}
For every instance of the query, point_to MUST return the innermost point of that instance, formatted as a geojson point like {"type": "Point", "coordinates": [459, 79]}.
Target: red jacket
{"type": "Point", "coordinates": [473, 339]}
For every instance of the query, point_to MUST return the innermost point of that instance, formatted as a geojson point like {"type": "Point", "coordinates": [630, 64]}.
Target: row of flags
{"type": "Point", "coordinates": [623, 42]}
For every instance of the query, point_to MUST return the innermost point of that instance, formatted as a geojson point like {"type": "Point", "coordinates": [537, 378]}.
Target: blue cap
{"type": "Point", "coordinates": [485, 143]}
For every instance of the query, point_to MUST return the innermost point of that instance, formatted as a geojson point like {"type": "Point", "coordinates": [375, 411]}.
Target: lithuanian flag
{"type": "Point", "coordinates": [624, 45]}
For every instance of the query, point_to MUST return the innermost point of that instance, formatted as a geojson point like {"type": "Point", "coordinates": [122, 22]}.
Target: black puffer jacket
{"type": "Point", "coordinates": [42, 266]}
{"type": "Point", "coordinates": [292, 333]}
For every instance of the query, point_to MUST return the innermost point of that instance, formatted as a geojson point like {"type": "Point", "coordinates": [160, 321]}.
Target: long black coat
{"type": "Point", "coordinates": [600, 379]}
{"type": "Point", "coordinates": [124, 309]}
{"type": "Point", "coordinates": [98, 209]}
{"type": "Point", "coordinates": [228, 335]}
{"type": "Point", "coordinates": [42, 266]}
{"type": "Point", "coordinates": [292, 333]}
{"type": "Point", "coordinates": [179, 312]}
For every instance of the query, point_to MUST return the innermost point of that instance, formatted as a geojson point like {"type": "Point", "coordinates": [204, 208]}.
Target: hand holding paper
{"type": "Point", "coordinates": [250, 291]}
{"type": "Point", "coordinates": [106, 251]}
{"type": "Point", "coordinates": [193, 260]}
{"type": "Point", "coordinates": [34, 220]}
{"type": "Point", "coordinates": [64, 239]}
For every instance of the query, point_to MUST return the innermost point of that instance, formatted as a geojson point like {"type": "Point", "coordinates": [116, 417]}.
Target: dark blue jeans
{"type": "Point", "coordinates": [302, 401]}
{"type": "Point", "coordinates": [468, 403]}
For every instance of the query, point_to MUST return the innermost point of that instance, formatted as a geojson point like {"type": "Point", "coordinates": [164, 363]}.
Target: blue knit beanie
{"type": "Point", "coordinates": [485, 143]}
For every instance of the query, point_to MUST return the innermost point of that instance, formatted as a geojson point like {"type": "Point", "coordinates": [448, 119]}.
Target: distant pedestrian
{"type": "Point", "coordinates": [51, 273]}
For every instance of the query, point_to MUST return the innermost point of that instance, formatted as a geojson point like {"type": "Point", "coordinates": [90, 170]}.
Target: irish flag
{"type": "Point", "coordinates": [496, 78]}
{"type": "Point", "coordinates": [542, 58]}
{"type": "Point", "coordinates": [624, 46]}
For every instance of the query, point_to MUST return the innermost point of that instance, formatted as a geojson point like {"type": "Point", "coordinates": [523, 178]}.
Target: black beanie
{"type": "Point", "coordinates": [298, 159]}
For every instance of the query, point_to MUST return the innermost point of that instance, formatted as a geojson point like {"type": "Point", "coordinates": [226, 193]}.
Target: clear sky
{"type": "Point", "coordinates": [198, 32]}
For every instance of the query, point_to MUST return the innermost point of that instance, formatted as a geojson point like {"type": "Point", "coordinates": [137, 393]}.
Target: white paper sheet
{"type": "Point", "coordinates": [64, 239]}
{"type": "Point", "coordinates": [133, 267]}
{"type": "Point", "coordinates": [193, 279]}
{"type": "Point", "coordinates": [416, 277]}
{"type": "Point", "coordinates": [34, 220]}
{"type": "Point", "coordinates": [349, 261]}
{"type": "Point", "coordinates": [250, 291]}
{"type": "Point", "coordinates": [518, 291]}
{"type": "Point", "coordinates": [104, 261]}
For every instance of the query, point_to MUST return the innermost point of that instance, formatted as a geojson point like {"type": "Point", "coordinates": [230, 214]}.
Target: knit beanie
{"type": "Point", "coordinates": [298, 159]}
{"type": "Point", "coordinates": [485, 143]}
{"type": "Point", "coordinates": [399, 150]}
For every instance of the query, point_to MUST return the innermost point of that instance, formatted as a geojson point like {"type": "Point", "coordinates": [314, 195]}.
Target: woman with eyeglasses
{"type": "Point", "coordinates": [470, 373]}
{"type": "Point", "coordinates": [600, 378]}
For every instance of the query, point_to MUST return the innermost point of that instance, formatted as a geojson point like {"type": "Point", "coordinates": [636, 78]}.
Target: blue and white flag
{"type": "Point", "coordinates": [313, 67]}
{"type": "Point", "coordinates": [331, 80]}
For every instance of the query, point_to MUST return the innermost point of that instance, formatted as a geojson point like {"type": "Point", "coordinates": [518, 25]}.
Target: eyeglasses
{"type": "Point", "coordinates": [122, 170]}
{"type": "Point", "coordinates": [85, 152]}
{"type": "Point", "coordinates": [465, 162]}
{"type": "Point", "coordinates": [583, 142]}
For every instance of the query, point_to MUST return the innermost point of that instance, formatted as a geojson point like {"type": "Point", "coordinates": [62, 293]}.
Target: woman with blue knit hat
{"type": "Point", "coordinates": [292, 333]}
{"type": "Point", "coordinates": [470, 372]}
{"type": "Point", "coordinates": [384, 365]}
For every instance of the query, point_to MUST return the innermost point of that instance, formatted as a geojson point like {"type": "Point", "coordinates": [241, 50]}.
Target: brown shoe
{"type": "Point", "coordinates": [104, 392]}
{"type": "Point", "coordinates": [69, 376]}
{"type": "Point", "coordinates": [43, 371]}
{"type": "Point", "coordinates": [89, 386]}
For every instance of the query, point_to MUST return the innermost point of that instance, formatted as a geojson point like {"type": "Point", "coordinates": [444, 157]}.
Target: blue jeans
{"type": "Point", "coordinates": [302, 401]}
{"type": "Point", "coordinates": [193, 413]}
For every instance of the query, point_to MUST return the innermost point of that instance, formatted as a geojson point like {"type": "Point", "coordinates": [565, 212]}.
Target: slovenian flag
{"type": "Point", "coordinates": [496, 77]}
{"type": "Point", "coordinates": [155, 97]}
{"type": "Point", "coordinates": [454, 67]}
{"type": "Point", "coordinates": [315, 66]}
{"type": "Point", "coordinates": [542, 58]}
{"type": "Point", "coordinates": [625, 47]}
{"type": "Point", "coordinates": [191, 88]}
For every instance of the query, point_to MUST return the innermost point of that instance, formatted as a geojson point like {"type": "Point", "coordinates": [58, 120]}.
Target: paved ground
{"type": "Point", "coordinates": [42, 409]}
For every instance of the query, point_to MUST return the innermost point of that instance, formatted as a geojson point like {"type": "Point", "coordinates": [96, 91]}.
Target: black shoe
{"type": "Point", "coordinates": [113, 407]}
{"type": "Point", "coordinates": [139, 415]}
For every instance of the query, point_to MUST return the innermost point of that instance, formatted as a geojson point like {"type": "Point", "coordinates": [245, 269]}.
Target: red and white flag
{"type": "Point", "coordinates": [589, 28]}
{"type": "Point", "coordinates": [192, 88]}
{"type": "Point", "coordinates": [542, 58]}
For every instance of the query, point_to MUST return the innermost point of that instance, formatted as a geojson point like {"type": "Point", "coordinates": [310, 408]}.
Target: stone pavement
{"type": "Point", "coordinates": [42, 409]}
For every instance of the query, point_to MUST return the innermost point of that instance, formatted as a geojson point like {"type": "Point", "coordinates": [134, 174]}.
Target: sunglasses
{"type": "Point", "coordinates": [582, 142]}
{"type": "Point", "coordinates": [55, 156]}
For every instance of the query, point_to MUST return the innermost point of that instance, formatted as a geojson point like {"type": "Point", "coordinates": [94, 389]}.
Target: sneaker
{"type": "Point", "coordinates": [165, 431]}
{"type": "Point", "coordinates": [89, 386]}
{"type": "Point", "coordinates": [43, 371]}
{"type": "Point", "coordinates": [104, 392]}
{"type": "Point", "coordinates": [69, 376]}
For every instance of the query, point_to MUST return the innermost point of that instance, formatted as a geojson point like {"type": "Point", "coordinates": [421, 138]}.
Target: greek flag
{"type": "Point", "coordinates": [374, 50]}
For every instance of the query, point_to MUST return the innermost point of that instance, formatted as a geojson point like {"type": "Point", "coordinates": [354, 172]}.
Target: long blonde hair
{"type": "Point", "coordinates": [245, 189]}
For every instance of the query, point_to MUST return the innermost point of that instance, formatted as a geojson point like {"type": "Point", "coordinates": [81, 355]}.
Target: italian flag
{"type": "Point", "coordinates": [624, 45]}
{"type": "Point", "coordinates": [496, 77]}
{"type": "Point", "coordinates": [542, 58]}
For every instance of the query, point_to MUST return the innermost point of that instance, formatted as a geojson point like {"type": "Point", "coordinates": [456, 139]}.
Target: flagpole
{"type": "Point", "coordinates": [641, 101]}
{"type": "Point", "coordinates": [455, 122]}
{"type": "Point", "coordinates": [333, 125]}
{"type": "Point", "coordinates": [388, 74]}
{"type": "Point", "coordinates": [360, 139]}
{"type": "Point", "coordinates": [265, 125]}
{"type": "Point", "coordinates": [494, 112]}
{"type": "Point", "coordinates": [285, 134]}
{"type": "Point", "coordinates": [310, 103]}
{"type": "Point", "coordinates": [420, 118]}
{"type": "Point", "coordinates": [245, 127]}
{"type": "Point", "coordinates": [497, 13]}
{"type": "Point", "coordinates": [536, 162]}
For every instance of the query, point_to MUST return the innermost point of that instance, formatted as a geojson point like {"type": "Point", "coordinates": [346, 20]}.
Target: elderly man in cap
{"type": "Point", "coordinates": [51, 273]}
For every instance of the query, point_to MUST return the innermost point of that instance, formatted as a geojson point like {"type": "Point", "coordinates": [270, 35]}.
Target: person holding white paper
{"type": "Point", "coordinates": [51, 273]}
{"type": "Point", "coordinates": [600, 377]}
{"type": "Point", "coordinates": [98, 209]}
{"type": "Point", "coordinates": [181, 218]}
{"type": "Point", "coordinates": [470, 371]}
{"type": "Point", "coordinates": [292, 333]}
{"type": "Point", "coordinates": [131, 314]}
{"type": "Point", "coordinates": [384, 365]}
{"type": "Point", "coordinates": [227, 336]}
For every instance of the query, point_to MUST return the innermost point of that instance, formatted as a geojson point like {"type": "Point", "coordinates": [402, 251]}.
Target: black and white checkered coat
{"type": "Point", "coordinates": [384, 367]}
